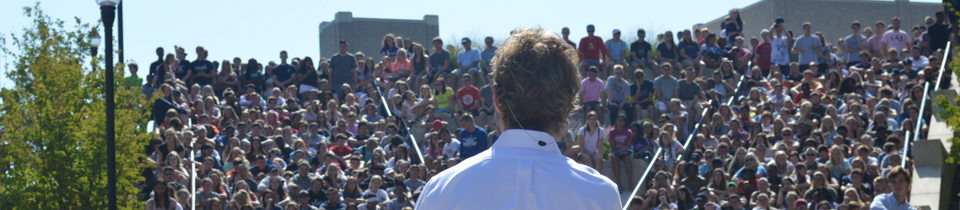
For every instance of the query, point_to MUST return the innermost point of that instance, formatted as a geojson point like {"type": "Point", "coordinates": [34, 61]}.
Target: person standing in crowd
{"type": "Point", "coordinates": [183, 68]}
{"type": "Point", "coordinates": [590, 50]}
{"type": "Point", "coordinates": [805, 46]}
{"type": "Point", "coordinates": [283, 75]}
{"type": "Point", "coordinates": [853, 44]}
{"type": "Point", "coordinates": [640, 53]}
{"type": "Point", "coordinates": [617, 48]}
{"type": "Point", "coordinates": [734, 27]}
{"type": "Point", "coordinates": [939, 32]}
{"type": "Point", "coordinates": [566, 37]}
{"type": "Point", "coordinates": [344, 69]}
{"type": "Point", "coordinates": [780, 44]}
{"type": "Point", "coordinates": [155, 71]}
{"type": "Point", "coordinates": [896, 38]}
{"type": "Point", "coordinates": [762, 53]}
{"type": "Point", "coordinates": [203, 71]}
{"type": "Point", "coordinates": [536, 83]}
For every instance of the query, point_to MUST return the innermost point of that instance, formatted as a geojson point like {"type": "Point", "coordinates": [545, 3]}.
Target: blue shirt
{"type": "Point", "coordinates": [691, 49]}
{"type": "Point", "coordinates": [472, 143]}
{"type": "Point", "coordinates": [487, 56]}
{"type": "Point", "coordinates": [888, 202]}
{"type": "Point", "coordinates": [616, 48]}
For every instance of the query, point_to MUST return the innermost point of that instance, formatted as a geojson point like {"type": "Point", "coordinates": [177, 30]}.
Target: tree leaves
{"type": "Point", "coordinates": [55, 140]}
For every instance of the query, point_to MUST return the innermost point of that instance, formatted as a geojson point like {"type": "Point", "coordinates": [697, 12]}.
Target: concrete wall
{"type": "Point", "coordinates": [831, 17]}
{"type": "Point", "coordinates": [366, 34]}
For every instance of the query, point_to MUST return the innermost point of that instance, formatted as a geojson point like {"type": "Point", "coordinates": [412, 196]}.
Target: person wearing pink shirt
{"type": "Point", "coordinates": [590, 89]}
{"type": "Point", "coordinates": [896, 38]}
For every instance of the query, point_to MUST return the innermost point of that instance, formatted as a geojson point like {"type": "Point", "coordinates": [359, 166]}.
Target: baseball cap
{"type": "Point", "coordinates": [304, 192]}
{"type": "Point", "coordinates": [616, 31]}
{"type": "Point", "coordinates": [779, 20]}
{"type": "Point", "coordinates": [465, 39]}
{"type": "Point", "coordinates": [437, 124]}
{"type": "Point", "coordinates": [701, 197]}
{"type": "Point", "coordinates": [388, 171]}
{"type": "Point", "coordinates": [731, 184]}
{"type": "Point", "coordinates": [764, 31]}
{"type": "Point", "coordinates": [590, 27]}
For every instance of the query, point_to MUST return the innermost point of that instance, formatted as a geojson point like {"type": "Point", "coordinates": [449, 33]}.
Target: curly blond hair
{"type": "Point", "coordinates": [535, 72]}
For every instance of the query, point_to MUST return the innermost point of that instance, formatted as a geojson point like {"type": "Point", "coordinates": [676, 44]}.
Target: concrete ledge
{"type": "Point", "coordinates": [928, 184]}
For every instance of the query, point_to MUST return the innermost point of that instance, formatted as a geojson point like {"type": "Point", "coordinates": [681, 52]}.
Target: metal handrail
{"type": "Point", "coordinates": [642, 178]}
{"type": "Point", "coordinates": [943, 65]}
{"type": "Point", "coordinates": [657, 154]}
{"type": "Point", "coordinates": [919, 125]}
{"type": "Point", "coordinates": [736, 91]}
{"type": "Point", "coordinates": [413, 140]}
{"type": "Point", "coordinates": [193, 174]}
{"type": "Point", "coordinates": [906, 147]}
{"type": "Point", "coordinates": [686, 146]}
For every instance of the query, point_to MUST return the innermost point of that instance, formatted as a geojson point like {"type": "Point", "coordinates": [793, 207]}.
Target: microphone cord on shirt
{"type": "Point", "coordinates": [539, 142]}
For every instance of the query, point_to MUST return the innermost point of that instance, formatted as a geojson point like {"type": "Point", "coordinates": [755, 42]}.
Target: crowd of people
{"type": "Point", "coordinates": [823, 130]}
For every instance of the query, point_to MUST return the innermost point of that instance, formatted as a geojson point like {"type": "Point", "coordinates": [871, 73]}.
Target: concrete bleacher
{"type": "Point", "coordinates": [932, 176]}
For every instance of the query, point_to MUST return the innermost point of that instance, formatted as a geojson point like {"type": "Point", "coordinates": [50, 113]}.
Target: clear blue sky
{"type": "Point", "coordinates": [260, 29]}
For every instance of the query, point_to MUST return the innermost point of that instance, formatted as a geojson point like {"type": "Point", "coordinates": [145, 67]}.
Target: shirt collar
{"type": "Point", "coordinates": [527, 139]}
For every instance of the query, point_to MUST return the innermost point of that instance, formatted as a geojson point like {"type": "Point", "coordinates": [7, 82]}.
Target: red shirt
{"type": "Point", "coordinates": [591, 47]}
{"type": "Point", "coordinates": [469, 97]}
{"type": "Point", "coordinates": [341, 150]}
{"type": "Point", "coordinates": [763, 55]}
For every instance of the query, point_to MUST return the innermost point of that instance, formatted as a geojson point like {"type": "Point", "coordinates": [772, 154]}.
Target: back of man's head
{"type": "Point", "coordinates": [537, 77]}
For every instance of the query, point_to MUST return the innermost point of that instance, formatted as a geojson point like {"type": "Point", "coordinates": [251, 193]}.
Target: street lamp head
{"type": "Point", "coordinates": [104, 3]}
{"type": "Point", "coordinates": [94, 40]}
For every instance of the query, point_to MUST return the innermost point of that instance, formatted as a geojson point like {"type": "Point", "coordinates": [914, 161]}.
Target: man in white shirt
{"type": "Point", "coordinates": [523, 168]}
{"type": "Point", "coordinates": [780, 45]}
{"type": "Point", "coordinates": [919, 61]}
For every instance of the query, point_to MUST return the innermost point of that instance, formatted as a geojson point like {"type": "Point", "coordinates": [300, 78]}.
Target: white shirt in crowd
{"type": "Point", "coordinates": [518, 173]}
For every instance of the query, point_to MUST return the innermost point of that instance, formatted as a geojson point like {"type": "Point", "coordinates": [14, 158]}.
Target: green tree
{"type": "Point", "coordinates": [55, 123]}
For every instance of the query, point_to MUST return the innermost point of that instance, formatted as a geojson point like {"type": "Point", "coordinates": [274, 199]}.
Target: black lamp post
{"type": "Point", "coordinates": [107, 13]}
{"type": "Point", "coordinates": [94, 41]}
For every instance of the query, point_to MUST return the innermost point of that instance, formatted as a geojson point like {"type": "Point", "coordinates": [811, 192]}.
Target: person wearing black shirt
{"type": "Point", "coordinates": [284, 74]}
{"type": "Point", "coordinates": [939, 32]}
{"type": "Point", "coordinates": [155, 70]}
{"type": "Point", "coordinates": [378, 169]}
{"type": "Point", "coordinates": [252, 76]}
{"type": "Point", "coordinates": [640, 53]}
{"type": "Point", "coordinates": [202, 72]}
{"type": "Point", "coordinates": [184, 70]}
{"type": "Point", "coordinates": [642, 92]}
{"type": "Point", "coordinates": [309, 78]}
{"type": "Point", "coordinates": [333, 200]}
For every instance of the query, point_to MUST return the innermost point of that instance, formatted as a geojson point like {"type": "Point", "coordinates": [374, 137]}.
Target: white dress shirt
{"type": "Point", "coordinates": [517, 173]}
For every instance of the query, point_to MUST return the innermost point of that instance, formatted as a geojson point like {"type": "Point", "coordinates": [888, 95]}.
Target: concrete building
{"type": "Point", "coordinates": [831, 17]}
{"type": "Point", "coordinates": [366, 34]}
